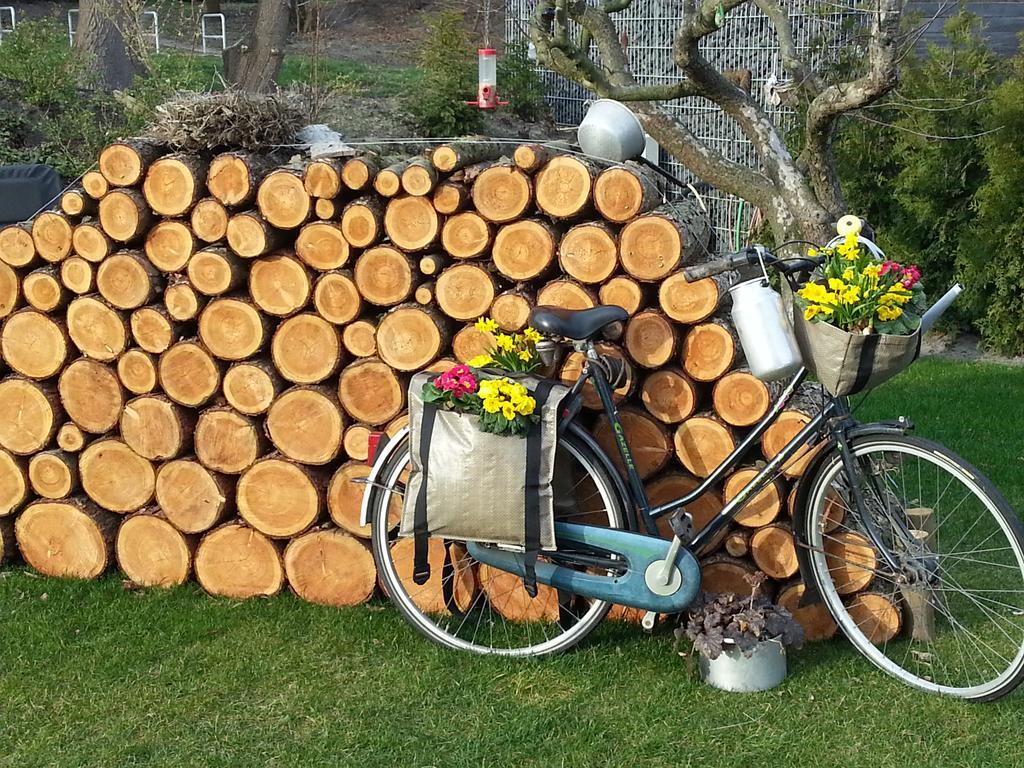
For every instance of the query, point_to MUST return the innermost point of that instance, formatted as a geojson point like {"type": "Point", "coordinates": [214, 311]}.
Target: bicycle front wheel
{"type": "Point", "coordinates": [473, 607]}
{"type": "Point", "coordinates": [927, 578]}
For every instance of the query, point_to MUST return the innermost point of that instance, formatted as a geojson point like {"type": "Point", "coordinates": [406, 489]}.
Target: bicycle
{"type": "Point", "coordinates": [609, 551]}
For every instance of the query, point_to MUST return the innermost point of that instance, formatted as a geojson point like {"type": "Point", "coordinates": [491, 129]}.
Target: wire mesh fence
{"type": "Point", "coordinates": [747, 41]}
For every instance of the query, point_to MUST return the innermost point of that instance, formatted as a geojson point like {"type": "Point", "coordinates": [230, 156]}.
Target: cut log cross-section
{"type": "Point", "coordinates": [192, 497]}
{"type": "Point", "coordinates": [250, 387]}
{"type": "Point", "coordinates": [95, 184]}
{"type": "Point", "coordinates": [409, 338]}
{"type": "Point", "coordinates": [169, 245]}
{"type": "Point", "coordinates": [420, 177]}
{"type": "Point", "coordinates": [722, 574]}
{"type": "Point", "coordinates": [232, 329]}
{"type": "Point", "coordinates": [153, 329]}
{"type": "Point", "coordinates": [709, 350]}
{"type": "Point", "coordinates": [741, 399]}
{"type": "Point", "coordinates": [51, 234]}
{"type": "Point", "coordinates": [53, 474]}
{"type": "Point", "coordinates": [322, 246]}
{"type": "Point", "coordinates": [625, 292]}
{"type": "Point", "coordinates": [774, 550]}
{"type": "Point", "coordinates": [115, 476]}
{"type": "Point", "coordinates": [370, 391]}
{"type": "Point", "coordinates": [362, 222]}
{"type": "Point", "coordinates": [669, 395]}
{"type": "Point", "coordinates": [411, 223]}
{"type": "Point", "coordinates": [238, 562]}
{"type": "Point", "coordinates": [651, 339]}
{"type": "Point", "coordinates": [653, 246]}
{"type": "Point", "coordinates": [76, 274]}
{"type": "Point", "coordinates": [567, 294]}
{"type": "Point", "coordinates": [648, 440]}
{"type": "Point", "coordinates": [384, 276]}
{"type": "Point", "coordinates": [209, 220]}
{"type": "Point", "coordinates": [181, 300]}
{"type": "Point", "coordinates": [279, 498]}
{"type": "Point", "coordinates": [337, 298]}
{"type": "Point", "coordinates": [524, 250]}
{"type": "Point", "coordinates": [306, 349]}
{"type": "Point", "coordinates": [360, 338]}
{"type": "Point", "coordinates": [233, 177]}
{"type": "Point", "coordinates": [465, 291]}
{"type": "Point", "coordinates": [91, 243]}
{"type": "Point", "coordinates": [43, 290]}
{"type": "Point", "coordinates": [10, 290]}
{"type": "Point", "coordinates": [174, 183]}
{"type": "Point", "coordinates": [322, 178]}
{"type": "Point", "coordinates": [34, 344]}
{"type": "Point", "coordinates": [124, 163]}
{"type": "Point", "coordinates": [306, 424]}
{"type": "Point", "coordinates": [14, 484]}
{"type": "Point", "coordinates": [136, 369]}
{"type": "Point", "coordinates": [283, 201]}
{"type": "Point", "coordinates": [345, 498]}
{"type": "Point", "coordinates": [815, 618]}
{"type": "Point", "coordinates": [155, 428]}
{"type": "Point", "coordinates": [215, 271]}
{"type": "Point", "coordinates": [188, 374]}
{"type": "Point", "coordinates": [764, 508]}
{"type": "Point", "coordinates": [450, 197]}
{"type": "Point", "coordinates": [228, 442]}
{"type": "Point", "coordinates": [329, 567]}
{"type": "Point", "coordinates": [127, 280]}
{"type": "Point", "coordinates": [358, 172]}
{"type": "Point", "coordinates": [124, 215]}
{"type": "Point", "coordinates": [16, 246]}
{"type": "Point", "coordinates": [687, 302]}
{"type": "Point", "coordinates": [564, 186]}
{"type": "Point", "coordinates": [30, 414]}
{"type": "Point", "coordinates": [92, 395]}
{"type": "Point", "coordinates": [877, 614]}
{"type": "Point", "coordinates": [511, 310]}
{"type": "Point", "coordinates": [67, 539]}
{"type": "Point", "coordinates": [466, 235]}
{"type": "Point", "coordinates": [702, 442]}
{"type": "Point", "coordinates": [250, 235]}
{"type": "Point", "coordinates": [851, 561]}
{"type": "Point", "coordinates": [502, 193]}
{"type": "Point", "coordinates": [589, 252]}
{"type": "Point", "coordinates": [280, 284]}
{"type": "Point", "coordinates": [624, 191]}
{"type": "Point", "coordinates": [70, 438]}
{"type": "Point", "coordinates": [152, 552]}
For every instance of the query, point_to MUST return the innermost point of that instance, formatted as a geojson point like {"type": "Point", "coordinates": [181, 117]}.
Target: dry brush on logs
{"type": "Point", "coordinates": [198, 347]}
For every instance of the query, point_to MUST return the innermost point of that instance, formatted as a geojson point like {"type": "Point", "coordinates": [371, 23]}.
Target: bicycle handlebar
{"type": "Point", "coordinates": [748, 256]}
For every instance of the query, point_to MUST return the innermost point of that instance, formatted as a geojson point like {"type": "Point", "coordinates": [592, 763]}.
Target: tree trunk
{"type": "Point", "coordinates": [253, 63]}
{"type": "Point", "coordinates": [105, 38]}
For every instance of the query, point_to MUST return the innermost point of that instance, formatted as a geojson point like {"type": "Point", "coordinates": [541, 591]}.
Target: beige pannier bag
{"type": "Point", "coordinates": [469, 485]}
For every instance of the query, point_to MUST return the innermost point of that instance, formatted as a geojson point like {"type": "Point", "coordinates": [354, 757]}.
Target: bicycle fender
{"type": "Point", "coordinates": [378, 463]}
{"type": "Point", "coordinates": [812, 591]}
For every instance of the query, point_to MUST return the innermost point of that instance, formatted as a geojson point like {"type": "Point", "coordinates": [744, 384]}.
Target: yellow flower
{"type": "Point", "coordinates": [508, 411]}
{"type": "Point", "coordinates": [487, 325]}
{"type": "Point", "coordinates": [526, 406]}
{"type": "Point", "coordinates": [836, 284]}
{"type": "Point", "coordinates": [851, 295]}
{"type": "Point", "coordinates": [525, 356]}
{"type": "Point", "coordinates": [889, 313]}
{"type": "Point", "coordinates": [848, 274]}
{"type": "Point", "coordinates": [480, 361]}
{"type": "Point", "coordinates": [492, 405]}
{"type": "Point", "coordinates": [812, 312]}
{"type": "Point", "coordinates": [812, 252]}
{"type": "Point", "coordinates": [532, 335]}
{"type": "Point", "coordinates": [872, 270]}
{"type": "Point", "coordinates": [504, 342]}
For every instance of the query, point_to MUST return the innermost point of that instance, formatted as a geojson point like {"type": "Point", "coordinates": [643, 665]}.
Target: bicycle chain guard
{"type": "Point", "coordinates": [630, 588]}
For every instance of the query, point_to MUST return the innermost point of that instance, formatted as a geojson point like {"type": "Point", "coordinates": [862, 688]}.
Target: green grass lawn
{"type": "Point", "coordinates": [94, 675]}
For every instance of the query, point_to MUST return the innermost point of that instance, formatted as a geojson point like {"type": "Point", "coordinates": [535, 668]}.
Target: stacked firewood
{"type": "Point", "coordinates": [199, 348]}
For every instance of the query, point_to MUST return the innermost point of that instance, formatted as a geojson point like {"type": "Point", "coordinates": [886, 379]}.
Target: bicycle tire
{"type": "Point", "coordinates": [438, 627]}
{"type": "Point", "coordinates": [922, 661]}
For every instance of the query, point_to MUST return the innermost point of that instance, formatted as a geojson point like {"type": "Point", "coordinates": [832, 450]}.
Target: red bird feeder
{"type": "Point", "coordinates": [487, 87]}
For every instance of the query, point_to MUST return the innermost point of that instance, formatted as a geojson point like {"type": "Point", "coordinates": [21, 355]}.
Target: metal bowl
{"type": "Point", "coordinates": [765, 668]}
{"type": "Point", "coordinates": [611, 131]}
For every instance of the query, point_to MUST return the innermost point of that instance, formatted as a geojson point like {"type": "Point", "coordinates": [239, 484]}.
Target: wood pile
{"type": "Point", "coordinates": [197, 348]}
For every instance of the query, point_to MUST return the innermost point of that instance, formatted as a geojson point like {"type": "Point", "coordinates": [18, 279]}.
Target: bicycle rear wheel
{"type": "Point", "coordinates": [948, 615]}
{"type": "Point", "coordinates": [469, 606]}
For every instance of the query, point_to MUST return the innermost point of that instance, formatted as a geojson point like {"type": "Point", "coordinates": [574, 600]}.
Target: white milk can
{"type": "Point", "coordinates": [765, 331]}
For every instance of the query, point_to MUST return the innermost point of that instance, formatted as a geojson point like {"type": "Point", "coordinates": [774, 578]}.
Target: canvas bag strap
{"type": "Point", "coordinates": [866, 363]}
{"type": "Point", "coordinates": [421, 564]}
{"type": "Point", "coordinates": [532, 486]}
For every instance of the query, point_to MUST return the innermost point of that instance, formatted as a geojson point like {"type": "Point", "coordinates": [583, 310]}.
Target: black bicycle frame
{"type": "Point", "coordinates": [638, 494]}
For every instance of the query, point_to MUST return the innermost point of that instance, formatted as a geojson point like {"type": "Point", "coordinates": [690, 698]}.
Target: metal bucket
{"type": "Point", "coordinates": [611, 131]}
{"type": "Point", "coordinates": [765, 668]}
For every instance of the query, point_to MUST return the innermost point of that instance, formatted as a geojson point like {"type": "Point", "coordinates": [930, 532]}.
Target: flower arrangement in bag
{"type": "Point", "coordinates": [513, 352]}
{"type": "Point", "coordinates": [503, 406]}
{"type": "Point", "coordinates": [855, 291]}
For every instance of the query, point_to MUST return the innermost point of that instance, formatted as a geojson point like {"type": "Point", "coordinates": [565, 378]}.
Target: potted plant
{"type": "Point", "coordinates": [741, 640]}
{"type": "Point", "coordinates": [858, 318]}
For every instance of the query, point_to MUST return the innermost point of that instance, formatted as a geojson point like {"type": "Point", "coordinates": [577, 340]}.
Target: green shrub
{"type": "Point", "coordinates": [438, 103]}
{"type": "Point", "coordinates": [519, 83]}
{"type": "Point", "coordinates": [916, 188]}
{"type": "Point", "coordinates": [993, 253]}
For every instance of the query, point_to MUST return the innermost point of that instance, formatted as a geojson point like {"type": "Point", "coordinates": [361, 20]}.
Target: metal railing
{"type": "Point", "coordinates": [206, 35]}
{"type": "Point", "coordinates": [7, 14]}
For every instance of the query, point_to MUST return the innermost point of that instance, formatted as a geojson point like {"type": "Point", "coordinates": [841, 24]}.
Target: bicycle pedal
{"type": "Point", "coordinates": [649, 620]}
